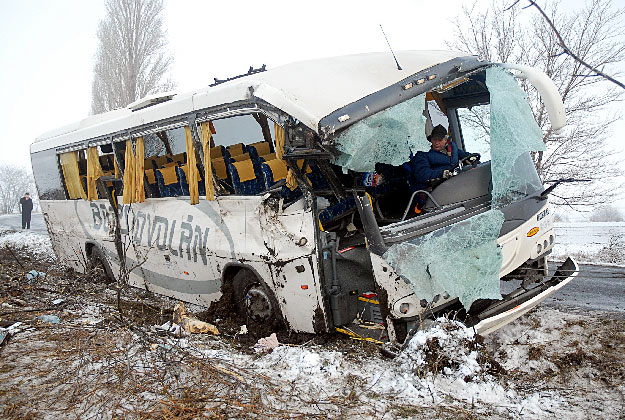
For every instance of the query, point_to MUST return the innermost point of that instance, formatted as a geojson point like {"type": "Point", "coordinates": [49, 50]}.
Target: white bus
{"type": "Point", "coordinates": [293, 193]}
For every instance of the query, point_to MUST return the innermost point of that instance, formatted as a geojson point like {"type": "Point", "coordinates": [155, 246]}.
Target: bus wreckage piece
{"type": "Point", "coordinates": [290, 192]}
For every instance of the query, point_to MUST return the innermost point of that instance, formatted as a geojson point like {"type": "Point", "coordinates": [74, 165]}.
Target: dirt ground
{"type": "Point", "coordinates": [100, 362]}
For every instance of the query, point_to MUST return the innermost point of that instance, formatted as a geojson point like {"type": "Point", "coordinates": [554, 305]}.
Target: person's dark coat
{"type": "Point", "coordinates": [26, 205]}
{"type": "Point", "coordinates": [431, 164]}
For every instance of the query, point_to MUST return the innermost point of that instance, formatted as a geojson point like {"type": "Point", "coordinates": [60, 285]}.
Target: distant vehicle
{"type": "Point", "coordinates": [289, 191]}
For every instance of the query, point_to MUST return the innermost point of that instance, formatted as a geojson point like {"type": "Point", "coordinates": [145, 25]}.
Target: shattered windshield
{"type": "Point", "coordinates": [390, 136]}
{"type": "Point", "coordinates": [514, 134]}
{"type": "Point", "coordinates": [463, 259]}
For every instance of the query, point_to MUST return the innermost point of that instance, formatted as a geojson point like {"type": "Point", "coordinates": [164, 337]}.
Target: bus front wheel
{"type": "Point", "coordinates": [253, 300]}
{"type": "Point", "coordinates": [99, 266]}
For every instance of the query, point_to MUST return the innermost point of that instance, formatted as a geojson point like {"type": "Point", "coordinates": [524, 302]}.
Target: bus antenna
{"type": "Point", "coordinates": [390, 48]}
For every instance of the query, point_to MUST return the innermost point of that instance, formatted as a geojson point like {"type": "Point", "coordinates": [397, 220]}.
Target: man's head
{"type": "Point", "coordinates": [27, 195]}
{"type": "Point", "coordinates": [438, 137]}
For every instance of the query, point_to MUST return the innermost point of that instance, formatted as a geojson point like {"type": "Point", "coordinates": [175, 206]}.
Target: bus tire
{"type": "Point", "coordinates": [253, 300]}
{"type": "Point", "coordinates": [99, 267]}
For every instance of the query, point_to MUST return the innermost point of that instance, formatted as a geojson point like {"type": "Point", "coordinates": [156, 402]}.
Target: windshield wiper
{"type": "Point", "coordinates": [548, 191]}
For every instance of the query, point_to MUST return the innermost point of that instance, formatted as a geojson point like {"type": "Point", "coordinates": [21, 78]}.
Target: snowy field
{"type": "Point", "coordinates": [591, 242]}
{"type": "Point", "coordinates": [548, 364]}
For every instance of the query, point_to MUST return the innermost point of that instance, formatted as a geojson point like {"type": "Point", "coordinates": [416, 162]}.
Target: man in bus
{"type": "Point", "coordinates": [26, 207]}
{"type": "Point", "coordinates": [435, 164]}
{"type": "Point", "coordinates": [438, 162]}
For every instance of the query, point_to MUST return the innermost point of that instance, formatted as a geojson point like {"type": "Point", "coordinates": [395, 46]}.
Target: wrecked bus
{"type": "Point", "coordinates": [287, 192]}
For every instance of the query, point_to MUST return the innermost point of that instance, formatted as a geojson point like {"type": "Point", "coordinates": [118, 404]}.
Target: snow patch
{"type": "Point", "coordinates": [37, 244]}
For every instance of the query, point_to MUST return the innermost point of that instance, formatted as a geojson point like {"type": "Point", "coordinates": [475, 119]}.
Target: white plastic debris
{"type": "Point", "coordinates": [266, 344]}
{"type": "Point", "coordinates": [243, 330]}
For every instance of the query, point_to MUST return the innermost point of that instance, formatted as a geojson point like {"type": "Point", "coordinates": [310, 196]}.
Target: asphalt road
{"type": "Point", "coordinates": [14, 221]}
{"type": "Point", "coordinates": [596, 288]}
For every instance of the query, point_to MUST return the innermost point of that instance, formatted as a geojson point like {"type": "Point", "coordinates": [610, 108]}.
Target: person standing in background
{"type": "Point", "coordinates": [26, 207]}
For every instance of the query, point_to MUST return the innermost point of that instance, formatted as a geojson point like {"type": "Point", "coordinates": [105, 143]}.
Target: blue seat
{"type": "Point", "coordinates": [258, 150]}
{"type": "Point", "coordinates": [273, 171]}
{"type": "Point", "coordinates": [247, 177]}
{"type": "Point", "coordinates": [181, 171]}
{"type": "Point", "coordinates": [168, 182]}
{"type": "Point", "coordinates": [334, 211]}
{"type": "Point", "coordinates": [236, 149]}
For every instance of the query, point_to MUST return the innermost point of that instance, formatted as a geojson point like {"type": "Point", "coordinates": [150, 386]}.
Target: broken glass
{"type": "Point", "coordinates": [514, 133]}
{"type": "Point", "coordinates": [462, 259]}
{"type": "Point", "coordinates": [389, 136]}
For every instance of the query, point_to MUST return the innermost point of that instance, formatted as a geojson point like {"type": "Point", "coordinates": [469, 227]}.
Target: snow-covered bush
{"type": "Point", "coordinates": [448, 348]}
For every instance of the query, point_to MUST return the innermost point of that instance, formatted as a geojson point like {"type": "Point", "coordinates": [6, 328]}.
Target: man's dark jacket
{"type": "Point", "coordinates": [431, 164]}
{"type": "Point", "coordinates": [27, 205]}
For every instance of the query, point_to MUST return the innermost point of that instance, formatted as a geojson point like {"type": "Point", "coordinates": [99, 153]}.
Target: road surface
{"type": "Point", "coordinates": [596, 288]}
{"type": "Point", "coordinates": [14, 221]}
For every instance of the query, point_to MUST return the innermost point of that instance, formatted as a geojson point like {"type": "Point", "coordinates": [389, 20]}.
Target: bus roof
{"type": "Point", "coordinates": [307, 90]}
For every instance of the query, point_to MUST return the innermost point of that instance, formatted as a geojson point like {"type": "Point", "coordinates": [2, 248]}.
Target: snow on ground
{"type": "Point", "coordinates": [590, 242]}
{"type": "Point", "coordinates": [34, 243]}
{"type": "Point", "coordinates": [548, 364]}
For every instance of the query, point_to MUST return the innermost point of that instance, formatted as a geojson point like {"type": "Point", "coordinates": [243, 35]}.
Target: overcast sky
{"type": "Point", "coordinates": [47, 48]}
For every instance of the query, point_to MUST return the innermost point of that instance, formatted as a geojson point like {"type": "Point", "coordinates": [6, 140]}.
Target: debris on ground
{"type": "Point", "coordinates": [266, 344]}
{"type": "Point", "coordinates": [97, 363]}
{"type": "Point", "coordinates": [33, 275]}
{"type": "Point", "coordinates": [190, 324]}
{"type": "Point", "coordinates": [49, 319]}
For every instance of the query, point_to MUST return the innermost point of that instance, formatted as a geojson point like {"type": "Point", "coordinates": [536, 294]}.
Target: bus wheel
{"type": "Point", "coordinates": [253, 300]}
{"type": "Point", "coordinates": [99, 266]}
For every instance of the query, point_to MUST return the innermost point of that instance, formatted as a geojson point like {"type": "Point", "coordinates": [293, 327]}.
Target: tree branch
{"type": "Point", "coordinates": [566, 49]}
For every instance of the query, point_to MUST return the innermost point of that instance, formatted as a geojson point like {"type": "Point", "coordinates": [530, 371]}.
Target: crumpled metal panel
{"type": "Point", "coordinates": [462, 259]}
{"type": "Point", "coordinates": [386, 137]}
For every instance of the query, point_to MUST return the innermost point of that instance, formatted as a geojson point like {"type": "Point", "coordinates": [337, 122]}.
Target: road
{"type": "Point", "coordinates": [14, 221]}
{"type": "Point", "coordinates": [596, 288]}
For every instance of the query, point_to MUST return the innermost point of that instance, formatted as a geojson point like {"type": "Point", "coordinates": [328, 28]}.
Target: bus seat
{"type": "Point", "coordinates": [217, 152]}
{"type": "Point", "coordinates": [183, 175]}
{"type": "Point", "coordinates": [236, 149]}
{"type": "Point", "coordinates": [313, 173]}
{"type": "Point", "coordinates": [245, 178]}
{"type": "Point", "coordinates": [169, 164]}
{"type": "Point", "coordinates": [150, 163]}
{"type": "Point", "coordinates": [160, 161]}
{"type": "Point", "coordinates": [259, 149]}
{"type": "Point", "coordinates": [181, 158]}
{"type": "Point", "coordinates": [265, 158]}
{"type": "Point", "coordinates": [337, 210]}
{"type": "Point", "coordinates": [149, 173]}
{"type": "Point", "coordinates": [168, 182]}
{"type": "Point", "coordinates": [152, 184]}
{"type": "Point", "coordinates": [220, 167]}
{"type": "Point", "coordinates": [241, 157]}
{"type": "Point", "coordinates": [273, 171]}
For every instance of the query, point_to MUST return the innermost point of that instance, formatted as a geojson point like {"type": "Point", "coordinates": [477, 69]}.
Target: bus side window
{"type": "Point", "coordinates": [48, 175]}
{"type": "Point", "coordinates": [75, 181]}
{"type": "Point", "coordinates": [241, 144]}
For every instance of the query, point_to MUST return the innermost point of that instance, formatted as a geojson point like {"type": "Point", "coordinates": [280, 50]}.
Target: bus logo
{"type": "Point", "coordinates": [533, 231]}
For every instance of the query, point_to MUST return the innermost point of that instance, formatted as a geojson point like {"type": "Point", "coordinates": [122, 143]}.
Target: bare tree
{"type": "Point", "coordinates": [595, 34]}
{"type": "Point", "coordinates": [132, 60]}
{"type": "Point", "coordinates": [14, 182]}
{"type": "Point", "coordinates": [607, 214]}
